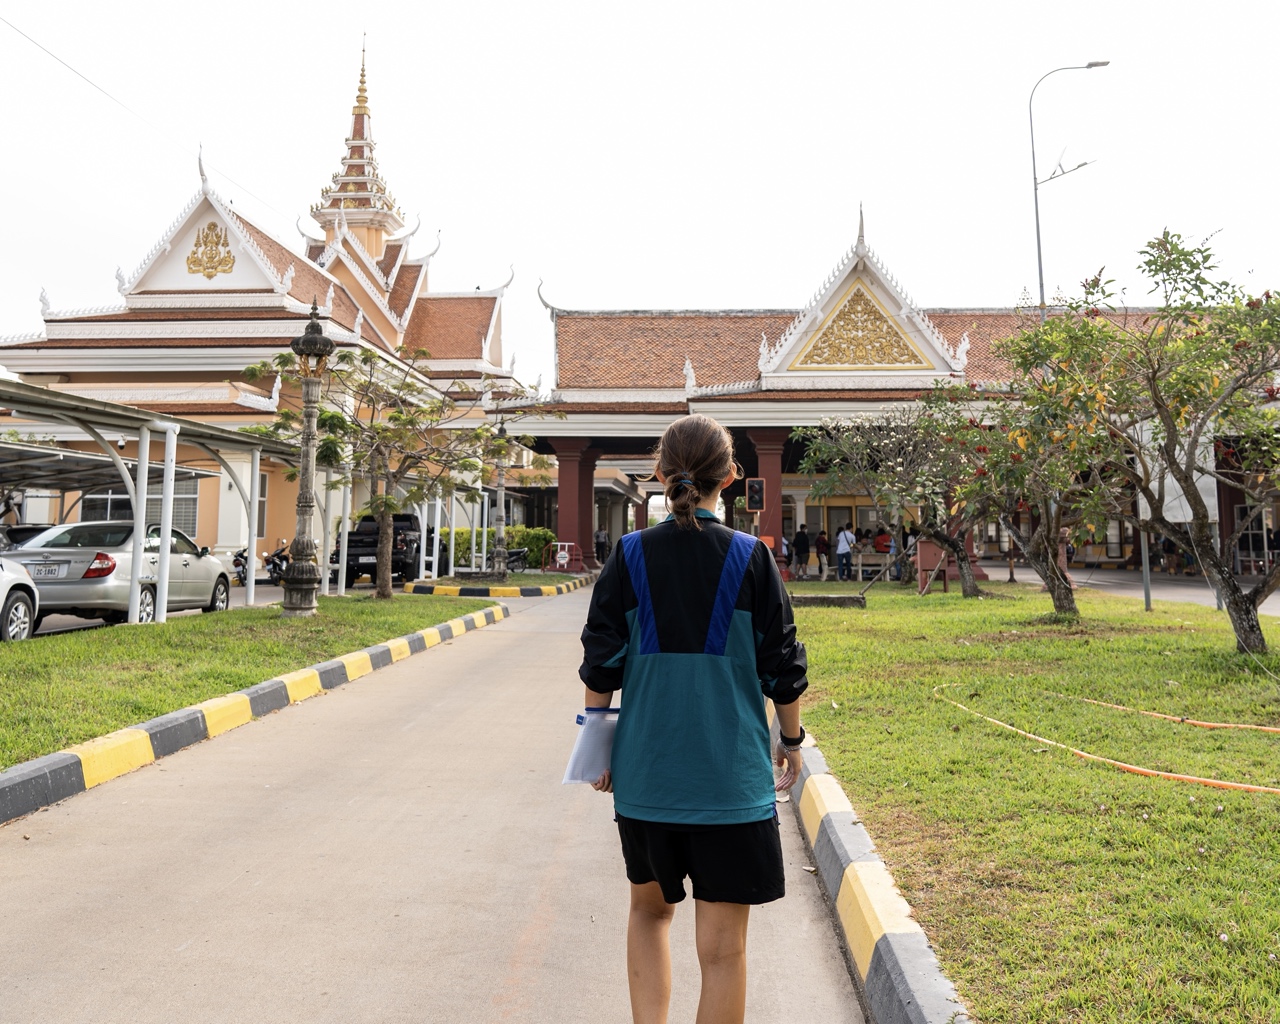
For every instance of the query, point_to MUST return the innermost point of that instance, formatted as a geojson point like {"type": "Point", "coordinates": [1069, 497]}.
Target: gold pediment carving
{"type": "Point", "coordinates": [860, 336]}
{"type": "Point", "coordinates": [212, 254]}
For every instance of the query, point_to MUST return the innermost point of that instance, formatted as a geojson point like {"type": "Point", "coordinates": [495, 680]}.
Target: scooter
{"type": "Point", "coordinates": [240, 563]}
{"type": "Point", "coordinates": [276, 563]}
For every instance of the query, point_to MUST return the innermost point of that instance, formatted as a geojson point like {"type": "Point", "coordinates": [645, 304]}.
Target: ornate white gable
{"type": "Point", "coordinates": [859, 330]}
{"type": "Point", "coordinates": [206, 249]}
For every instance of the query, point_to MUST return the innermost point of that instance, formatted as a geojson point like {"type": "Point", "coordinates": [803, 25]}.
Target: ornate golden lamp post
{"type": "Point", "coordinates": [500, 513]}
{"type": "Point", "coordinates": [302, 576]}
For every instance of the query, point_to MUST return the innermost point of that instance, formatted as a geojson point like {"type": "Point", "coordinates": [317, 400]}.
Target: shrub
{"type": "Point", "coordinates": [535, 538]}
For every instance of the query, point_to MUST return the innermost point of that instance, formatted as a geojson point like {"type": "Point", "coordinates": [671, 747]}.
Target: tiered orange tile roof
{"type": "Point", "coordinates": [450, 327]}
{"type": "Point", "coordinates": [647, 349]}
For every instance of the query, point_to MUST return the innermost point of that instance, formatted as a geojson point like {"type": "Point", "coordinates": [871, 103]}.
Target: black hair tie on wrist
{"type": "Point", "coordinates": [786, 741]}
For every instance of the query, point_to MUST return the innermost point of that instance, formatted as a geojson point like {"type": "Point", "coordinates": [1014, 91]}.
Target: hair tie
{"type": "Point", "coordinates": [685, 481]}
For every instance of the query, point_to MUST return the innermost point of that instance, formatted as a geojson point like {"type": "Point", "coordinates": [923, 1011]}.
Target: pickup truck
{"type": "Point", "coordinates": [362, 548]}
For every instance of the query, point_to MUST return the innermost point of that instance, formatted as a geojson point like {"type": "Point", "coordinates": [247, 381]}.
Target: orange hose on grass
{"type": "Point", "coordinates": [1169, 718]}
{"type": "Point", "coordinates": [1133, 768]}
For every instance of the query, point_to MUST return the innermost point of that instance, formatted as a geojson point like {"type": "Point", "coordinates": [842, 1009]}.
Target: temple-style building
{"type": "Point", "coordinates": [860, 344]}
{"type": "Point", "coordinates": [217, 293]}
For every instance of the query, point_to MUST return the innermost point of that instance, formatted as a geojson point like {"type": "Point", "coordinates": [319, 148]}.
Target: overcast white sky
{"type": "Point", "coordinates": [656, 155]}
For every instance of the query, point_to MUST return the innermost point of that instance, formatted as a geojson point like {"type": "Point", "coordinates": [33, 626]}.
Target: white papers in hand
{"type": "Point", "coordinates": [593, 750]}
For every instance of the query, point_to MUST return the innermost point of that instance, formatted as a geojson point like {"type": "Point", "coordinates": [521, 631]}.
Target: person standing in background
{"type": "Point", "coordinates": [800, 547]}
{"type": "Point", "coordinates": [844, 552]}
{"type": "Point", "coordinates": [822, 548]}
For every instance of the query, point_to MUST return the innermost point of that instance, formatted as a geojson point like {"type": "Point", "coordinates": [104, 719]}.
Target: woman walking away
{"type": "Point", "coordinates": [689, 619]}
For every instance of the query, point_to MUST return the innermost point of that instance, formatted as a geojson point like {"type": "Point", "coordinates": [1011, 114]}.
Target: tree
{"type": "Point", "coordinates": [1184, 398]}
{"type": "Point", "coordinates": [1021, 449]}
{"type": "Point", "coordinates": [384, 421]}
{"type": "Point", "coordinates": [896, 459]}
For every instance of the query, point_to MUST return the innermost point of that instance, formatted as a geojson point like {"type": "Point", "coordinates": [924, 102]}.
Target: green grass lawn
{"type": "Point", "coordinates": [1055, 889]}
{"type": "Point", "coordinates": [64, 689]}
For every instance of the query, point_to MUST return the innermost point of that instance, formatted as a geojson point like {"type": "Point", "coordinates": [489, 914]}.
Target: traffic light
{"type": "Point", "coordinates": [755, 494]}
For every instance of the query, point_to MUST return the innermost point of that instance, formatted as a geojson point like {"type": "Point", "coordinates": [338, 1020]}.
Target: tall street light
{"type": "Point", "coordinates": [302, 575]}
{"type": "Point", "coordinates": [1035, 178]}
{"type": "Point", "coordinates": [500, 513]}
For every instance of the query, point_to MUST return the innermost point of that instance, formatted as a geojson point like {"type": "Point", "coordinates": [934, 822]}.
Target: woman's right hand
{"type": "Point", "coordinates": [793, 761]}
{"type": "Point", "coordinates": [604, 784]}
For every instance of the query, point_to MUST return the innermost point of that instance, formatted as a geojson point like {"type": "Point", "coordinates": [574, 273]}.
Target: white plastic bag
{"type": "Point", "coordinates": [593, 750]}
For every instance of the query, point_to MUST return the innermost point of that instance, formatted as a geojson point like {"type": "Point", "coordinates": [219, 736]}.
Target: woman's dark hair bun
{"type": "Point", "coordinates": [694, 457]}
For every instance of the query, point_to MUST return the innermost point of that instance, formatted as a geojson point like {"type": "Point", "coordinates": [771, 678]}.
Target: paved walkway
{"type": "Point", "coordinates": [399, 849]}
{"type": "Point", "coordinates": [1190, 589]}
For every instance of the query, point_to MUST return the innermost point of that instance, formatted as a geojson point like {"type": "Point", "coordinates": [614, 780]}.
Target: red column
{"type": "Point", "coordinates": [569, 452]}
{"type": "Point", "coordinates": [642, 513]}
{"type": "Point", "coordinates": [587, 508]}
{"type": "Point", "coordinates": [768, 446]}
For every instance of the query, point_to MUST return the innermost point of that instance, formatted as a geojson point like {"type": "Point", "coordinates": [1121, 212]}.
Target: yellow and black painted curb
{"type": "Point", "coordinates": [895, 967]}
{"type": "Point", "coordinates": [34, 784]}
{"type": "Point", "coordinates": [461, 591]}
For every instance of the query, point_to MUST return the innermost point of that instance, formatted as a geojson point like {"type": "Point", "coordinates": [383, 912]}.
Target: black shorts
{"type": "Point", "coordinates": [726, 863]}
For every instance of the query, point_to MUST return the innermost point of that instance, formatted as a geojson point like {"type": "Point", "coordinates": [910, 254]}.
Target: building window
{"type": "Point", "coordinates": [262, 505]}
{"type": "Point", "coordinates": [113, 504]}
{"type": "Point", "coordinates": [110, 505]}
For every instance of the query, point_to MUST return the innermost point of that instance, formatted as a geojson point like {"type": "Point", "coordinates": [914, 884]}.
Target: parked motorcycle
{"type": "Point", "coordinates": [240, 563]}
{"type": "Point", "coordinates": [517, 560]}
{"type": "Point", "coordinates": [276, 563]}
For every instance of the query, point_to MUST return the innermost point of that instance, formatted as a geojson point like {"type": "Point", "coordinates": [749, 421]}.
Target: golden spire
{"type": "Point", "coordinates": [362, 97]}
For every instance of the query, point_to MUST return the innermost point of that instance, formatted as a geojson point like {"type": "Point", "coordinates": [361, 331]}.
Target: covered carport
{"type": "Point", "coordinates": [36, 405]}
{"type": "Point", "coordinates": [27, 467]}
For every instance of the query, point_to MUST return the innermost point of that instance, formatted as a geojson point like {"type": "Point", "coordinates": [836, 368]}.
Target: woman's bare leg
{"type": "Point", "coordinates": [649, 954]}
{"type": "Point", "coordinates": [722, 954]}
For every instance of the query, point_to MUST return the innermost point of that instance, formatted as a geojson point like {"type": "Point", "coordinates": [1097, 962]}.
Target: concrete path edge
{"type": "Point", "coordinates": [28, 786]}
{"type": "Point", "coordinates": [893, 964]}
{"type": "Point", "coordinates": [461, 591]}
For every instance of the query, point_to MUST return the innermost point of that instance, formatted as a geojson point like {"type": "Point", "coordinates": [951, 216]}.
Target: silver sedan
{"type": "Point", "coordinates": [84, 569]}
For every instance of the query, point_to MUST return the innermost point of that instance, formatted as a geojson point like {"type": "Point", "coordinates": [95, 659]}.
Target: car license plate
{"type": "Point", "coordinates": [368, 558]}
{"type": "Point", "coordinates": [44, 572]}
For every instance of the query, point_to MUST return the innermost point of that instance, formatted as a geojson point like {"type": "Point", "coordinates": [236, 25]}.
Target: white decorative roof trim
{"type": "Point", "coordinates": [372, 291]}
{"type": "Point", "coordinates": [736, 388]}
{"type": "Point", "coordinates": [225, 391]}
{"type": "Point", "coordinates": [620, 396]}
{"type": "Point", "coordinates": [327, 257]}
{"type": "Point", "coordinates": [343, 232]}
{"type": "Point", "coordinates": [20, 339]}
{"type": "Point", "coordinates": [859, 252]}
{"type": "Point", "coordinates": [487, 346]}
{"type": "Point", "coordinates": [492, 293]}
{"type": "Point", "coordinates": [247, 244]}
{"type": "Point", "coordinates": [164, 245]}
{"type": "Point", "coordinates": [851, 382]}
{"type": "Point", "coordinates": [211, 300]}
{"type": "Point", "coordinates": [67, 314]}
{"type": "Point", "coordinates": [167, 329]}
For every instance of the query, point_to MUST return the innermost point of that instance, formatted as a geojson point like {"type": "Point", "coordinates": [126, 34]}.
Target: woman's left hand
{"type": "Point", "coordinates": [792, 761]}
{"type": "Point", "coordinates": [604, 784]}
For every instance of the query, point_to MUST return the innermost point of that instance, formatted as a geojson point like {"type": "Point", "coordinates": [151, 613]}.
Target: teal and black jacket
{"type": "Point", "coordinates": [695, 628]}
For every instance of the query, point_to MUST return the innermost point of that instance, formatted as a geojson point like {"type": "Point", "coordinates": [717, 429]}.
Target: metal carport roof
{"type": "Point", "coordinates": [31, 401]}
{"type": "Point", "coordinates": [93, 416]}
{"type": "Point", "coordinates": [26, 466]}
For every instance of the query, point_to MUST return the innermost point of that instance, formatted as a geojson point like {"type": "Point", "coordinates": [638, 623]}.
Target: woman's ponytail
{"type": "Point", "coordinates": [694, 457]}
